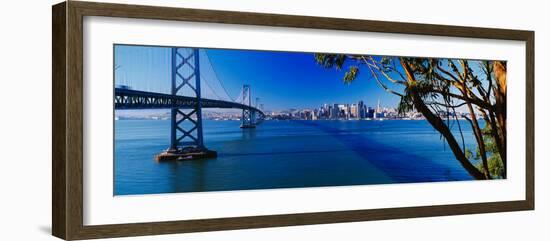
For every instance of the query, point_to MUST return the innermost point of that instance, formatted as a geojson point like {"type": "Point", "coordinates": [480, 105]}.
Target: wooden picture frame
{"type": "Point", "coordinates": [67, 123]}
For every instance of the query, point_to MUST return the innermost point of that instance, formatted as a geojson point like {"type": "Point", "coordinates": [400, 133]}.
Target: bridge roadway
{"type": "Point", "coordinates": [135, 99]}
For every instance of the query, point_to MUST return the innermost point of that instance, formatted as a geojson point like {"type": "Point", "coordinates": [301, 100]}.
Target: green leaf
{"type": "Point", "coordinates": [351, 74]}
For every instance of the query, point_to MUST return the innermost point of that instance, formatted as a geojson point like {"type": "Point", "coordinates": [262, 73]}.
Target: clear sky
{"type": "Point", "coordinates": [282, 80]}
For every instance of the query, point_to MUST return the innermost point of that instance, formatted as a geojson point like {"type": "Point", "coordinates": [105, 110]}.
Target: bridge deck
{"type": "Point", "coordinates": [136, 99]}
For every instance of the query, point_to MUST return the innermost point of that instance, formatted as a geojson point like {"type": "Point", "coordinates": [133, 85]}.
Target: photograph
{"type": "Point", "coordinates": [195, 119]}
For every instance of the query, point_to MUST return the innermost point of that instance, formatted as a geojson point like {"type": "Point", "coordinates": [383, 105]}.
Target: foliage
{"type": "Point", "coordinates": [494, 161]}
{"type": "Point", "coordinates": [351, 74]}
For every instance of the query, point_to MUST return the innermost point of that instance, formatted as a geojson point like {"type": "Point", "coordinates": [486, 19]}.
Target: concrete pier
{"type": "Point", "coordinates": [187, 153]}
{"type": "Point", "coordinates": [245, 126]}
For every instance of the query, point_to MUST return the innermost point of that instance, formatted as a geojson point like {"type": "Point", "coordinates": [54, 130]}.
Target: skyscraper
{"type": "Point", "coordinates": [379, 113]}
{"type": "Point", "coordinates": [370, 112]}
{"type": "Point", "coordinates": [335, 112]}
{"type": "Point", "coordinates": [361, 108]}
{"type": "Point", "coordinates": [354, 111]}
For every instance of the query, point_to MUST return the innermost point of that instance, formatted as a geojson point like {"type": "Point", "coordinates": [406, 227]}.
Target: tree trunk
{"type": "Point", "coordinates": [480, 143]}
{"type": "Point", "coordinates": [500, 99]}
{"type": "Point", "coordinates": [439, 125]}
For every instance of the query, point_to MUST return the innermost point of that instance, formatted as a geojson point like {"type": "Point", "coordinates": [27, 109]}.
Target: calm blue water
{"type": "Point", "coordinates": [285, 154]}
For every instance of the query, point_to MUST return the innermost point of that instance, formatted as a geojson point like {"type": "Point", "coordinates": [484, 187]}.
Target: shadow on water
{"type": "Point", "coordinates": [279, 153]}
{"type": "Point", "coordinates": [402, 166]}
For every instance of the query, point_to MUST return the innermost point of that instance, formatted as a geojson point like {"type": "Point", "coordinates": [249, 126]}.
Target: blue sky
{"type": "Point", "coordinates": [282, 80]}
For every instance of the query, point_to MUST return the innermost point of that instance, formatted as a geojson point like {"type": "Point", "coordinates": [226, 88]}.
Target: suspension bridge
{"type": "Point", "coordinates": [193, 86]}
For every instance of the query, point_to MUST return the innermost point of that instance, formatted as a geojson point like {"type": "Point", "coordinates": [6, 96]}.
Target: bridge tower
{"type": "Point", "coordinates": [247, 120]}
{"type": "Point", "coordinates": [186, 137]}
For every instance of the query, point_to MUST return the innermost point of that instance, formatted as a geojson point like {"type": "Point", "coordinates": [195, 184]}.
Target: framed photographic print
{"type": "Point", "coordinates": [171, 120]}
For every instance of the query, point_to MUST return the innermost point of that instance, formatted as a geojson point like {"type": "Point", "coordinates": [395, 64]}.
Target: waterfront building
{"type": "Point", "coordinates": [335, 112]}
{"type": "Point", "coordinates": [362, 110]}
{"type": "Point", "coordinates": [354, 111]}
{"type": "Point", "coordinates": [370, 112]}
{"type": "Point", "coordinates": [314, 114]}
{"type": "Point", "coordinates": [378, 115]}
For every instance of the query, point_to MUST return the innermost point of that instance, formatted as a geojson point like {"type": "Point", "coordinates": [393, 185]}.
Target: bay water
{"type": "Point", "coordinates": [286, 154]}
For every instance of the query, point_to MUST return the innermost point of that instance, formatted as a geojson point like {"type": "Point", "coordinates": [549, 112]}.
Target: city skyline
{"type": "Point", "coordinates": [334, 111]}
{"type": "Point", "coordinates": [147, 112]}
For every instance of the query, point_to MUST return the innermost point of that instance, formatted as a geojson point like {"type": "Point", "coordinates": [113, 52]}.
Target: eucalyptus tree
{"type": "Point", "coordinates": [437, 88]}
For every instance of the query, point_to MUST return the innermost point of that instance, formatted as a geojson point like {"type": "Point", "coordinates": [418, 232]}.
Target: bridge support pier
{"type": "Point", "coordinates": [247, 119]}
{"type": "Point", "coordinates": [186, 137]}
